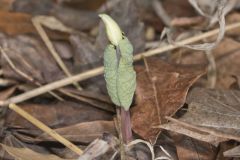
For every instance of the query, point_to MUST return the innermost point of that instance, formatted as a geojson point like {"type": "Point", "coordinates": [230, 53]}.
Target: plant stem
{"type": "Point", "coordinates": [98, 71]}
{"type": "Point", "coordinates": [126, 126]}
{"type": "Point", "coordinates": [122, 147]}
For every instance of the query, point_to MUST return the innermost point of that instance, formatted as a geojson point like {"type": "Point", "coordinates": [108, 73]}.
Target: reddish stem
{"type": "Point", "coordinates": [126, 126]}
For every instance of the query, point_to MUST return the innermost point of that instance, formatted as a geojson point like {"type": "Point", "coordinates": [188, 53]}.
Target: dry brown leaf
{"type": "Point", "coordinates": [217, 109]}
{"type": "Point", "coordinates": [6, 5]}
{"type": "Point", "coordinates": [7, 93]}
{"type": "Point", "coordinates": [214, 112]}
{"type": "Point", "coordinates": [234, 152]}
{"type": "Point", "coordinates": [202, 136]}
{"type": "Point", "coordinates": [236, 85]}
{"type": "Point", "coordinates": [84, 4]}
{"type": "Point", "coordinates": [171, 85]}
{"type": "Point", "coordinates": [57, 114]}
{"type": "Point", "coordinates": [85, 55]}
{"type": "Point", "coordinates": [83, 132]}
{"type": "Point", "coordinates": [191, 149]}
{"type": "Point", "coordinates": [78, 19]}
{"type": "Point", "coordinates": [28, 154]}
{"type": "Point", "coordinates": [30, 56]}
{"type": "Point", "coordinates": [36, 7]}
{"type": "Point", "coordinates": [9, 20]}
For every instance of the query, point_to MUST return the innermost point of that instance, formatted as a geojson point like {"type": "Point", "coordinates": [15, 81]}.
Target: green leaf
{"type": "Point", "coordinates": [120, 75]}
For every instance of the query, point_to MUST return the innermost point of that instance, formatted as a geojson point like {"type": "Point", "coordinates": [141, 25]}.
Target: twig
{"type": "Point", "coordinates": [6, 82]}
{"type": "Point", "coordinates": [160, 11]}
{"type": "Point", "coordinates": [52, 86]}
{"type": "Point", "coordinates": [63, 91]}
{"type": "Point", "coordinates": [24, 75]}
{"type": "Point", "coordinates": [46, 129]}
{"type": "Point", "coordinates": [136, 141]}
{"type": "Point", "coordinates": [48, 43]}
{"type": "Point", "coordinates": [99, 70]}
{"type": "Point", "coordinates": [184, 42]}
{"type": "Point", "coordinates": [211, 73]}
{"type": "Point", "coordinates": [1, 72]}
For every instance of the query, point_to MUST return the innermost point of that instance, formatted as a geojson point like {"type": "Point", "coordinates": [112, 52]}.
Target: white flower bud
{"type": "Point", "coordinates": [114, 32]}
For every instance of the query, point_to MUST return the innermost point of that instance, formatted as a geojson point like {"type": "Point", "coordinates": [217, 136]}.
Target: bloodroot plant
{"type": "Point", "coordinates": [119, 73]}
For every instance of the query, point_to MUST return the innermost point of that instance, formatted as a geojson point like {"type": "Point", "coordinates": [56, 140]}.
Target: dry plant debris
{"type": "Point", "coordinates": [48, 46]}
{"type": "Point", "coordinates": [159, 85]}
{"type": "Point", "coordinates": [214, 112]}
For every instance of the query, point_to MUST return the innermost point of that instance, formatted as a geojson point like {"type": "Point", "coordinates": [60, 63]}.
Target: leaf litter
{"type": "Point", "coordinates": [214, 112]}
{"type": "Point", "coordinates": [157, 88]}
{"type": "Point", "coordinates": [167, 101]}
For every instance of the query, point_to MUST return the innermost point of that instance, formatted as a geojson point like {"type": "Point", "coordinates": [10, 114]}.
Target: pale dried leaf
{"type": "Point", "coordinates": [234, 152]}
{"type": "Point", "coordinates": [83, 132]}
{"type": "Point", "coordinates": [215, 112]}
{"type": "Point", "coordinates": [99, 147]}
{"type": "Point", "coordinates": [202, 136]}
{"type": "Point", "coordinates": [52, 23]}
{"type": "Point", "coordinates": [28, 154]}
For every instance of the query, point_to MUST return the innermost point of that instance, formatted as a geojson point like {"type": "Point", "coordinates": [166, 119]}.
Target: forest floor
{"type": "Point", "coordinates": [54, 102]}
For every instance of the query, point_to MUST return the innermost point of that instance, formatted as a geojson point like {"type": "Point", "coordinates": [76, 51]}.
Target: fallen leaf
{"type": "Point", "coordinates": [28, 154]}
{"type": "Point", "coordinates": [57, 114]}
{"type": "Point", "coordinates": [214, 112]}
{"type": "Point", "coordinates": [234, 152]}
{"type": "Point", "coordinates": [85, 132]}
{"type": "Point", "coordinates": [225, 146]}
{"type": "Point", "coordinates": [236, 85]}
{"type": "Point", "coordinates": [36, 7]}
{"type": "Point", "coordinates": [52, 23]}
{"type": "Point", "coordinates": [77, 19]}
{"type": "Point", "coordinates": [9, 20]}
{"type": "Point", "coordinates": [7, 93]}
{"type": "Point", "coordinates": [191, 149]}
{"type": "Point", "coordinates": [95, 99]}
{"type": "Point", "coordinates": [181, 8]}
{"type": "Point", "coordinates": [85, 55]}
{"type": "Point", "coordinates": [202, 136]}
{"type": "Point", "coordinates": [30, 56]}
{"type": "Point", "coordinates": [171, 83]}
{"type": "Point", "coordinates": [6, 5]}
{"type": "Point", "coordinates": [84, 4]}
